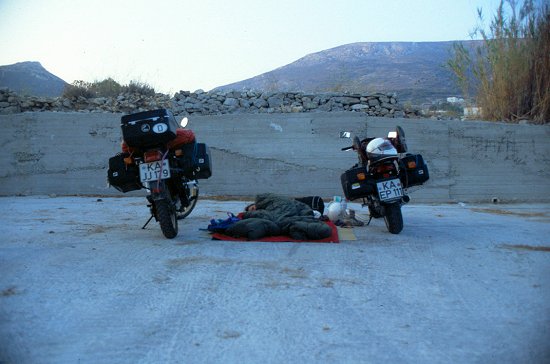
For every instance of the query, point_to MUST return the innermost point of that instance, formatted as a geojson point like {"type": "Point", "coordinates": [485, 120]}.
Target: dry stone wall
{"type": "Point", "coordinates": [212, 103]}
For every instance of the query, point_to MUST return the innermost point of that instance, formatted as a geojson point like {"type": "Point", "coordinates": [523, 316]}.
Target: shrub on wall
{"type": "Point", "coordinates": [139, 88]}
{"type": "Point", "coordinates": [78, 89]}
{"type": "Point", "coordinates": [106, 88]}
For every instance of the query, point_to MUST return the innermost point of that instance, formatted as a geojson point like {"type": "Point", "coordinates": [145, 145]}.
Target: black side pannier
{"type": "Point", "coordinates": [124, 177]}
{"type": "Point", "coordinates": [355, 183]}
{"type": "Point", "coordinates": [416, 170]}
{"type": "Point", "coordinates": [148, 128]}
{"type": "Point", "coordinates": [185, 160]}
{"type": "Point", "coordinates": [202, 162]}
{"type": "Point", "coordinates": [195, 160]}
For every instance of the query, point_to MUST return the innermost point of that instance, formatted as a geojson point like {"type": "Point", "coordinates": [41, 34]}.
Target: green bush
{"type": "Point", "coordinates": [78, 89]}
{"type": "Point", "coordinates": [139, 88]}
{"type": "Point", "coordinates": [509, 73]}
{"type": "Point", "coordinates": [106, 88]}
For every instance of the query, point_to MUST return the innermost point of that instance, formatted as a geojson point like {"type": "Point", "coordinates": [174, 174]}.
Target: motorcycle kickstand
{"type": "Point", "coordinates": [370, 216]}
{"type": "Point", "coordinates": [148, 221]}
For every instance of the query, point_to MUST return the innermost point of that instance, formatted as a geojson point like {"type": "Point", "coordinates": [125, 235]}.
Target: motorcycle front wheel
{"type": "Point", "coordinates": [393, 218]}
{"type": "Point", "coordinates": [167, 218]}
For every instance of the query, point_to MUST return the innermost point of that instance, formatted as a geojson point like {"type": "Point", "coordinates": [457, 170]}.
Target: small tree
{"type": "Point", "coordinates": [509, 73]}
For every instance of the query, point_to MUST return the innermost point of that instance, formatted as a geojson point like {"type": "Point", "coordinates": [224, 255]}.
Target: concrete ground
{"type": "Point", "coordinates": [80, 282]}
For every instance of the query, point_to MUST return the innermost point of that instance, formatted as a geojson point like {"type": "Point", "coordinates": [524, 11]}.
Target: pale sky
{"type": "Point", "coordinates": [201, 44]}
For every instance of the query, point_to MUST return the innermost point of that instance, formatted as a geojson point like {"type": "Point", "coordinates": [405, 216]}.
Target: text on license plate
{"type": "Point", "coordinates": [389, 190]}
{"type": "Point", "coordinates": [154, 171]}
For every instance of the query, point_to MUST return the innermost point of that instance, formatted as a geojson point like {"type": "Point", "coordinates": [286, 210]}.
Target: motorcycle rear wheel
{"type": "Point", "coordinates": [393, 218]}
{"type": "Point", "coordinates": [166, 216]}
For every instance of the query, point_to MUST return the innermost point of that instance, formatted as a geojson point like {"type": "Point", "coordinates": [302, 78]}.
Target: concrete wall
{"type": "Point", "coordinates": [292, 154]}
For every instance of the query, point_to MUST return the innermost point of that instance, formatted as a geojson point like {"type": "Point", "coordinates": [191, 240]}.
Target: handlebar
{"type": "Point", "coordinates": [359, 142]}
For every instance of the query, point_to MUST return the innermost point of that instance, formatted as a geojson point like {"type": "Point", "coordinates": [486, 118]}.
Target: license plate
{"type": "Point", "coordinates": [390, 190]}
{"type": "Point", "coordinates": [154, 171]}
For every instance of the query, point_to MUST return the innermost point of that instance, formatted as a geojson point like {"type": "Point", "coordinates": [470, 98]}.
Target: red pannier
{"type": "Point", "coordinates": [183, 136]}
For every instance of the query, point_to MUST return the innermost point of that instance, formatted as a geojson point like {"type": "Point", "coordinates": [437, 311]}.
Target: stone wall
{"type": "Point", "coordinates": [212, 103]}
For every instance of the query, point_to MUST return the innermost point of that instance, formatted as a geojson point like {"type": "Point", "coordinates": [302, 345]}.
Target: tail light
{"type": "Point", "coordinates": [411, 164]}
{"type": "Point", "coordinates": [152, 156]}
{"type": "Point", "coordinates": [384, 169]}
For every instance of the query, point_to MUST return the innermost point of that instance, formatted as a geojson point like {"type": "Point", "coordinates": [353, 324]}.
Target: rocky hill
{"type": "Point", "coordinates": [414, 70]}
{"type": "Point", "coordinates": [30, 78]}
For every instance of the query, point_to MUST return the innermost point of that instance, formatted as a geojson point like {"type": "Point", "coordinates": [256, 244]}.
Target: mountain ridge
{"type": "Point", "coordinates": [31, 78]}
{"type": "Point", "coordinates": [414, 70]}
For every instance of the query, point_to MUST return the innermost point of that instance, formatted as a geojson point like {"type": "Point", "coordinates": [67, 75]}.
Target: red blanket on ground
{"type": "Point", "coordinates": [283, 238]}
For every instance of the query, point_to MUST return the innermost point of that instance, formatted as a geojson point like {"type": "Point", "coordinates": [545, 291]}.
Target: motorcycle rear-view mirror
{"type": "Point", "coordinates": [345, 134]}
{"type": "Point", "coordinates": [184, 122]}
{"type": "Point", "coordinates": [398, 139]}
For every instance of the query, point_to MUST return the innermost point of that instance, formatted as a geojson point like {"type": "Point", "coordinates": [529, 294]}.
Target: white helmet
{"type": "Point", "coordinates": [334, 211]}
{"type": "Point", "coordinates": [380, 148]}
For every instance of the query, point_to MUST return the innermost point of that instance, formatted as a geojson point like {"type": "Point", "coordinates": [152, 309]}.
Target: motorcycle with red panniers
{"type": "Point", "coordinates": [164, 159]}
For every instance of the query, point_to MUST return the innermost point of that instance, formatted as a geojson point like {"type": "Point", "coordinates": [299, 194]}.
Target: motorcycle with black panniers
{"type": "Point", "coordinates": [384, 173]}
{"type": "Point", "coordinates": [166, 160]}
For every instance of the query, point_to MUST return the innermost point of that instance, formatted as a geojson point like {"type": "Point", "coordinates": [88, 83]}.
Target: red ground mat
{"type": "Point", "coordinates": [283, 238]}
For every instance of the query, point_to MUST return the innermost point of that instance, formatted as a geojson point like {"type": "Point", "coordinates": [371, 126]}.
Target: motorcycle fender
{"type": "Point", "coordinates": [158, 190]}
{"type": "Point", "coordinates": [383, 205]}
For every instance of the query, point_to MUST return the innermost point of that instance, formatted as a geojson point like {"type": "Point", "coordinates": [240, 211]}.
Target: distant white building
{"type": "Point", "coordinates": [455, 100]}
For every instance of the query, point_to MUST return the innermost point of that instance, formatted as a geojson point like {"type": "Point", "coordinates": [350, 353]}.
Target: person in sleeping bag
{"type": "Point", "coordinates": [272, 214]}
{"type": "Point", "coordinates": [315, 202]}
